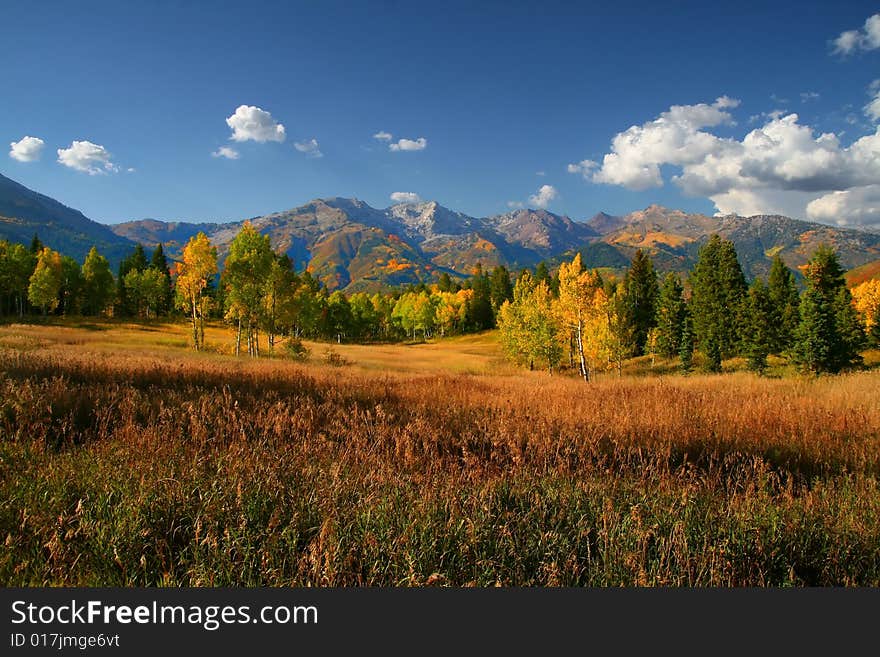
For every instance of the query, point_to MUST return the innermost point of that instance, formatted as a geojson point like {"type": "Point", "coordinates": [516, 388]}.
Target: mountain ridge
{"type": "Point", "coordinates": [348, 244]}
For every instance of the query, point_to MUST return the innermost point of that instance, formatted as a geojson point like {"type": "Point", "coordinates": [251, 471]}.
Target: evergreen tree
{"type": "Point", "coordinates": [160, 263]}
{"type": "Point", "coordinates": [686, 344]}
{"type": "Point", "coordinates": [829, 335]}
{"type": "Point", "coordinates": [136, 261]}
{"type": "Point", "coordinates": [542, 273]}
{"type": "Point", "coordinates": [479, 310]}
{"type": "Point", "coordinates": [671, 310]}
{"type": "Point", "coordinates": [759, 330]}
{"type": "Point", "coordinates": [446, 284]}
{"type": "Point", "coordinates": [785, 299]}
{"type": "Point", "coordinates": [850, 331]}
{"type": "Point", "coordinates": [814, 337]}
{"type": "Point", "coordinates": [36, 245]}
{"type": "Point", "coordinates": [500, 287]}
{"type": "Point", "coordinates": [640, 299]}
{"type": "Point", "coordinates": [718, 289]}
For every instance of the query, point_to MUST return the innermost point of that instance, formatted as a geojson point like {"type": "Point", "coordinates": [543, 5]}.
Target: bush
{"type": "Point", "coordinates": [334, 358]}
{"type": "Point", "coordinates": [296, 350]}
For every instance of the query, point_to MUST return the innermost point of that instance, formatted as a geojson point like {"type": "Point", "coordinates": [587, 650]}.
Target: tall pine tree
{"type": "Point", "coordinates": [640, 299]}
{"type": "Point", "coordinates": [160, 263]}
{"type": "Point", "coordinates": [758, 330]}
{"type": "Point", "coordinates": [671, 312]}
{"type": "Point", "coordinates": [829, 335]}
{"type": "Point", "coordinates": [785, 299]}
{"type": "Point", "coordinates": [719, 287]}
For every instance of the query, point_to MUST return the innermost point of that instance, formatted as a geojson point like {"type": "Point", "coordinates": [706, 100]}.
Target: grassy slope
{"type": "Point", "coordinates": [127, 460]}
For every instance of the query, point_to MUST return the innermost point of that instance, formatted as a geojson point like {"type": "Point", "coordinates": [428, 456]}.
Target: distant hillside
{"type": "Point", "coordinates": [24, 212]}
{"type": "Point", "coordinates": [863, 273]}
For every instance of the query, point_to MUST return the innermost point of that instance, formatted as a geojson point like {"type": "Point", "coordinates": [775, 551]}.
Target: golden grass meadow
{"type": "Point", "coordinates": [128, 460]}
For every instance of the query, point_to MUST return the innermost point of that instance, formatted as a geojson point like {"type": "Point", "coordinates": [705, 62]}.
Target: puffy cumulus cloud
{"type": "Point", "coordinates": [251, 123]}
{"type": "Point", "coordinates": [383, 136]}
{"type": "Point", "coordinates": [543, 197]}
{"type": "Point", "coordinates": [27, 149]}
{"type": "Point", "coordinates": [675, 137]}
{"type": "Point", "coordinates": [227, 152]}
{"type": "Point", "coordinates": [310, 148]}
{"type": "Point", "coordinates": [405, 197]}
{"type": "Point", "coordinates": [780, 167]}
{"type": "Point", "coordinates": [87, 157]}
{"type": "Point", "coordinates": [860, 206]}
{"type": "Point", "coordinates": [872, 109]}
{"type": "Point", "coordinates": [865, 38]}
{"type": "Point", "coordinates": [419, 144]}
{"type": "Point", "coordinates": [783, 155]}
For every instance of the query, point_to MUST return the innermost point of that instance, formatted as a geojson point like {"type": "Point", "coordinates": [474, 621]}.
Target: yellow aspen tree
{"type": "Point", "coordinates": [45, 282]}
{"type": "Point", "coordinates": [866, 299]}
{"type": "Point", "coordinates": [197, 266]}
{"type": "Point", "coordinates": [578, 307]}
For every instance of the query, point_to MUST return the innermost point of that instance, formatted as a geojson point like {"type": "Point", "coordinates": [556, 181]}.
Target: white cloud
{"type": "Point", "coordinates": [251, 123]}
{"type": "Point", "coordinates": [227, 152]}
{"type": "Point", "coordinates": [383, 136]}
{"type": "Point", "coordinates": [27, 149]}
{"type": "Point", "coordinates": [807, 96]}
{"type": "Point", "coordinates": [780, 167]}
{"type": "Point", "coordinates": [866, 38]}
{"type": "Point", "coordinates": [87, 157]}
{"type": "Point", "coordinates": [405, 197]}
{"type": "Point", "coordinates": [419, 144]}
{"type": "Point", "coordinates": [131, 170]}
{"type": "Point", "coordinates": [310, 148]}
{"type": "Point", "coordinates": [515, 204]}
{"type": "Point", "coordinates": [675, 137]}
{"type": "Point", "coordinates": [583, 167]}
{"type": "Point", "coordinates": [872, 109]}
{"type": "Point", "coordinates": [543, 197]}
{"type": "Point", "coordinates": [540, 174]}
{"type": "Point", "coordinates": [860, 205]}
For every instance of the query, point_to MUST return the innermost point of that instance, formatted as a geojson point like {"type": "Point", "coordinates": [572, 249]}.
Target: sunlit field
{"type": "Point", "coordinates": [126, 459]}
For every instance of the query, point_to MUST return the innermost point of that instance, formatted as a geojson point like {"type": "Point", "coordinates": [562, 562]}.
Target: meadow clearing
{"type": "Point", "coordinates": [128, 460]}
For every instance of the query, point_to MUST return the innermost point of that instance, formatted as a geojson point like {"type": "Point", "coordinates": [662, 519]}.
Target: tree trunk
{"type": "Point", "coordinates": [195, 323]}
{"type": "Point", "coordinates": [585, 373]}
{"type": "Point", "coordinates": [238, 339]}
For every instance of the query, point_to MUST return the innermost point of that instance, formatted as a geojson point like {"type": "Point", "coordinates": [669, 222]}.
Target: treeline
{"type": "Point", "coordinates": [595, 322]}
{"type": "Point", "coordinates": [259, 294]}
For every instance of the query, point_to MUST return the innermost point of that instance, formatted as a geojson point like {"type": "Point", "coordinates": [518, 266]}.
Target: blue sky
{"type": "Point", "coordinates": [509, 97]}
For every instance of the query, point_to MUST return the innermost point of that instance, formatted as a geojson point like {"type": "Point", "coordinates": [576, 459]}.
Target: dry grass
{"type": "Point", "coordinates": [147, 465]}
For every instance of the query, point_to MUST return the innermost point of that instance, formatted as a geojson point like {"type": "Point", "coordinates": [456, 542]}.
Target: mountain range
{"type": "Point", "coordinates": [350, 245]}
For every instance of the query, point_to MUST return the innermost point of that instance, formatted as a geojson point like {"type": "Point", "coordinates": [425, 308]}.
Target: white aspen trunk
{"type": "Point", "coordinates": [195, 323]}
{"type": "Point", "coordinates": [585, 373]}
